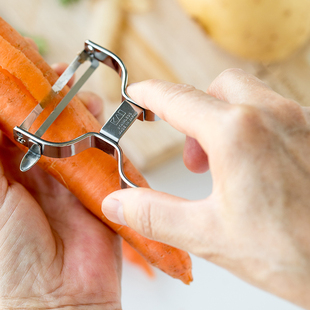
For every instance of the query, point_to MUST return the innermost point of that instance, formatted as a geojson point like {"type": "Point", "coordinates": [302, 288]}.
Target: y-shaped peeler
{"type": "Point", "coordinates": [106, 140]}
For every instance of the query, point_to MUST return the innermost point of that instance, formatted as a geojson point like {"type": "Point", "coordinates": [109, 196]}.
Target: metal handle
{"type": "Point", "coordinates": [110, 134]}
{"type": "Point", "coordinates": [38, 147]}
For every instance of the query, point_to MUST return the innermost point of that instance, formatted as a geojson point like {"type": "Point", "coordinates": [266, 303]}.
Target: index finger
{"type": "Point", "coordinates": [184, 107]}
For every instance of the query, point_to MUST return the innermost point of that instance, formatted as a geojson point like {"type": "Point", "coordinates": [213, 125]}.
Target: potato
{"type": "Point", "coordinates": [261, 30]}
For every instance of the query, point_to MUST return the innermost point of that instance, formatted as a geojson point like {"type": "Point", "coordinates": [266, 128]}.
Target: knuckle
{"type": "Point", "coordinates": [228, 74]}
{"type": "Point", "coordinates": [245, 119]}
{"type": "Point", "coordinates": [177, 91]}
{"type": "Point", "coordinates": [293, 110]}
{"type": "Point", "coordinates": [247, 126]}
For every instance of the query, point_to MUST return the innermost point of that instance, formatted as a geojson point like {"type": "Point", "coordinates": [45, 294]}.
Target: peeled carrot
{"type": "Point", "coordinates": [90, 175]}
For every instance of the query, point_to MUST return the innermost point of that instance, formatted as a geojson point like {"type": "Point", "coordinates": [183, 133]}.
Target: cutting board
{"type": "Point", "coordinates": [162, 42]}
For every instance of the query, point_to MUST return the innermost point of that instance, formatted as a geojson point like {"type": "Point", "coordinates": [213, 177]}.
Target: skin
{"type": "Point", "coordinates": [52, 258]}
{"type": "Point", "coordinates": [257, 145]}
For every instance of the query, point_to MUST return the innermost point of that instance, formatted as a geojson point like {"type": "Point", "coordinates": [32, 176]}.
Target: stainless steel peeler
{"type": "Point", "coordinates": [110, 134]}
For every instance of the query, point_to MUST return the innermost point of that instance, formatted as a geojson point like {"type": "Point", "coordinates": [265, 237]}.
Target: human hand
{"type": "Point", "coordinates": [257, 145]}
{"type": "Point", "coordinates": [54, 253]}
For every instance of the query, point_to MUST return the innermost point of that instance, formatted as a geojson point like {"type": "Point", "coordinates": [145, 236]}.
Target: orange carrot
{"type": "Point", "coordinates": [22, 68]}
{"type": "Point", "coordinates": [134, 257]}
{"type": "Point", "coordinates": [90, 175]}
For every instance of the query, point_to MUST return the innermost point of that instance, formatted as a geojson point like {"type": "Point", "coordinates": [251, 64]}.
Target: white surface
{"type": "Point", "coordinates": [212, 288]}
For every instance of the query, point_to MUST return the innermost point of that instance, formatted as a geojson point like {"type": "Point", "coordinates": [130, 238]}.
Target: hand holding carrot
{"type": "Point", "coordinates": [257, 145]}
{"type": "Point", "coordinates": [54, 253]}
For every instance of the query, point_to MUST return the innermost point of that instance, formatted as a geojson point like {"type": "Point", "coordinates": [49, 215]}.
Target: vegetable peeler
{"type": "Point", "coordinates": [107, 139]}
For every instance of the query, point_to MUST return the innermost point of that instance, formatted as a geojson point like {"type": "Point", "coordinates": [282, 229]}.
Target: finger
{"type": "Point", "coordinates": [195, 158]}
{"type": "Point", "coordinates": [162, 217]}
{"type": "Point", "coordinates": [306, 111]}
{"type": "Point", "coordinates": [5, 142]}
{"type": "Point", "coordinates": [59, 68]}
{"type": "Point", "coordinates": [92, 102]}
{"type": "Point", "coordinates": [237, 87]}
{"type": "Point", "coordinates": [182, 106]}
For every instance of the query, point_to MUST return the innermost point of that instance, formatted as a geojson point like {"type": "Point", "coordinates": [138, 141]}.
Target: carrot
{"type": "Point", "coordinates": [134, 257]}
{"type": "Point", "coordinates": [24, 70]}
{"type": "Point", "coordinates": [90, 175]}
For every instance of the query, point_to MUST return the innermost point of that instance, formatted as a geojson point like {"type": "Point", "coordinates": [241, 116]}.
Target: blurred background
{"type": "Point", "coordinates": [183, 41]}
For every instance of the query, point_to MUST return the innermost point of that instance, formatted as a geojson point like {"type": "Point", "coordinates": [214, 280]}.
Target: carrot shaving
{"type": "Point", "coordinates": [22, 68]}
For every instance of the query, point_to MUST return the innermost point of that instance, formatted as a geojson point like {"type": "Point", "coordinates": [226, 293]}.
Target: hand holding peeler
{"type": "Point", "coordinates": [107, 139]}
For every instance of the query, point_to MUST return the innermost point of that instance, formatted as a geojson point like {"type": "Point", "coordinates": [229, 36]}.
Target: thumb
{"type": "Point", "coordinates": [161, 217]}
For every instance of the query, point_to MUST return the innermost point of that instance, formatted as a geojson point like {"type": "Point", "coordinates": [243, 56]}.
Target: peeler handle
{"type": "Point", "coordinates": [38, 147]}
{"type": "Point", "coordinates": [107, 139]}
{"type": "Point", "coordinates": [113, 61]}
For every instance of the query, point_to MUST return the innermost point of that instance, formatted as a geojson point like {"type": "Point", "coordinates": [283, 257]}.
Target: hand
{"type": "Point", "coordinates": [256, 222]}
{"type": "Point", "coordinates": [54, 253]}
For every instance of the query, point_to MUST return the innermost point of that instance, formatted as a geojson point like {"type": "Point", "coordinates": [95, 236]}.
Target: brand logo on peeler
{"type": "Point", "coordinates": [117, 117]}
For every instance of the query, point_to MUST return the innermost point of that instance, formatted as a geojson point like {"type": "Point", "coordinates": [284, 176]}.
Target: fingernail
{"type": "Point", "coordinates": [113, 210]}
